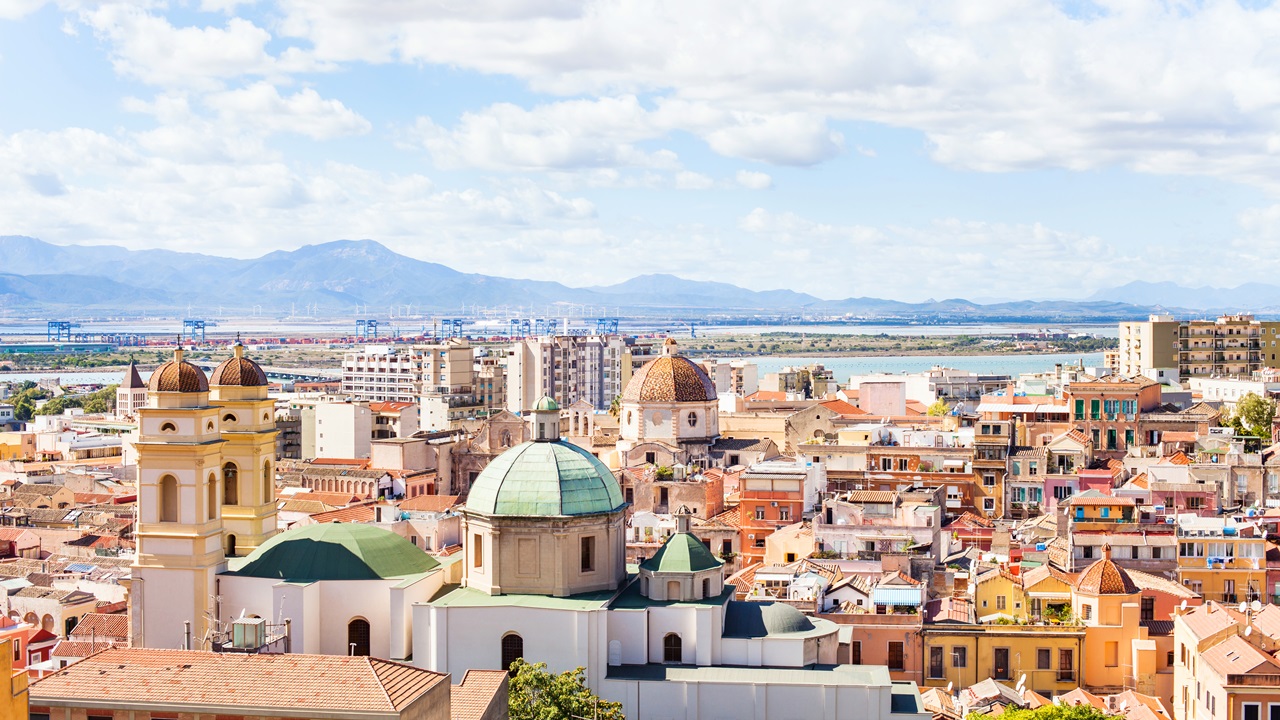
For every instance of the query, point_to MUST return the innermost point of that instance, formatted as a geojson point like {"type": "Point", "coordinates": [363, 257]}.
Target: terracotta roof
{"type": "Point", "coordinates": [80, 649]}
{"type": "Point", "coordinates": [1080, 696]}
{"type": "Point", "coordinates": [429, 503]}
{"type": "Point", "coordinates": [12, 534]}
{"type": "Point", "coordinates": [389, 406]}
{"type": "Point", "coordinates": [1076, 435]}
{"type": "Point", "coordinates": [871, 496]}
{"type": "Point", "coordinates": [1267, 621]}
{"type": "Point", "coordinates": [238, 371]}
{"type": "Point", "coordinates": [177, 375]}
{"type": "Point", "coordinates": [363, 513]}
{"type": "Point", "coordinates": [1178, 436]}
{"type": "Point", "coordinates": [1147, 581]}
{"type": "Point", "coordinates": [1104, 577]}
{"type": "Point", "coordinates": [729, 518]}
{"type": "Point", "coordinates": [670, 378]}
{"type": "Point", "coordinates": [102, 626]}
{"type": "Point", "coordinates": [1208, 619]}
{"type": "Point", "coordinates": [41, 489]}
{"type": "Point", "coordinates": [841, 407]}
{"type": "Point", "coordinates": [969, 519]}
{"type": "Point", "coordinates": [471, 699]}
{"type": "Point", "coordinates": [1139, 481]}
{"type": "Point", "coordinates": [1105, 500]}
{"type": "Point", "coordinates": [744, 579]}
{"type": "Point", "coordinates": [897, 577]}
{"type": "Point", "coordinates": [1235, 656]}
{"type": "Point", "coordinates": [949, 609]}
{"type": "Point", "coordinates": [345, 462]}
{"type": "Point", "coordinates": [173, 679]}
{"type": "Point", "coordinates": [767, 396]}
{"type": "Point", "coordinates": [1037, 575]}
{"type": "Point", "coordinates": [308, 507]}
{"type": "Point", "coordinates": [331, 499]}
{"type": "Point", "coordinates": [1178, 458]}
{"type": "Point", "coordinates": [93, 498]}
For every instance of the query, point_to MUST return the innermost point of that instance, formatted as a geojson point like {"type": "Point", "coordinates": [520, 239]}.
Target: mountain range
{"type": "Point", "coordinates": [337, 276]}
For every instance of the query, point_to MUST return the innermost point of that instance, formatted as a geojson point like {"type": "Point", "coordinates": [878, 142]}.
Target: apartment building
{"type": "Point", "coordinates": [1228, 345]}
{"type": "Point", "coordinates": [567, 368]}
{"type": "Point", "coordinates": [1224, 667]}
{"type": "Point", "coordinates": [388, 373]}
{"type": "Point", "coordinates": [773, 494]}
{"type": "Point", "coordinates": [1109, 410]}
{"type": "Point", "coordinates": [733, 377]}
{"type": "Point", "coordinates": [1221, 559]}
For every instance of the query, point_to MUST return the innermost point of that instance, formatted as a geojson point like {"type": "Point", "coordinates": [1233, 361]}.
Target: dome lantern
{"type": "Point", "coordinates": [546, 420]}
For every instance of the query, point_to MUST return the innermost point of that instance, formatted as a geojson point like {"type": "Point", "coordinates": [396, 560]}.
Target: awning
{"type": "Point", "coordinates": [896, 596]}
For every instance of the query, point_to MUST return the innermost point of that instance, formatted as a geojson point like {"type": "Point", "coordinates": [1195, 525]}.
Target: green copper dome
{"type": "Point", "coordinates": [682, 552]}
{"type": "Point", "coordinates": [545, 479]}
{"type": "Point", "coordinates": [334, 551]}
{"type": "Point", "coordinates": [546, 404]}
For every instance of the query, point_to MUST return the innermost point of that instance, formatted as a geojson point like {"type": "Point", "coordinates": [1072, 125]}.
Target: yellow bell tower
{"type": "Point", "coordinates": [238, 387]}
{"type": "Point", "coordinates": [179, 531]}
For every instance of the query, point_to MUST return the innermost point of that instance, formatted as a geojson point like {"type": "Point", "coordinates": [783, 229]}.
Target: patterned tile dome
{"type": "Point", "coordinates": [238, 370]}
{"type": "Point", "coordinates": [178, 375]}
{"type": "Point", "coordinates": [670, 378]}
{"type": "Point", "coordinates": [1104, 577]}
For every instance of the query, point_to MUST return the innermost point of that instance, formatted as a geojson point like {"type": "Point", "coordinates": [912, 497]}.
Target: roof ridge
{"type": "Point", "coordinates": [377, 678]}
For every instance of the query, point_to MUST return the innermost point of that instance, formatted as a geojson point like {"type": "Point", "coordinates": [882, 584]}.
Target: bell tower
{"type": "Point", "coordinates": [179, 530]}
{"type": "Point", "coordinates": [238, 387]}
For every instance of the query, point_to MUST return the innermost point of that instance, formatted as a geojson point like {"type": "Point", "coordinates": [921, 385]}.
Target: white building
{"type": "Point", "coordinates": [343, 429]}
{"type": "Point", "coordinates": [733, 377]}
{"type": "Point", "coordinates": [567, 368]}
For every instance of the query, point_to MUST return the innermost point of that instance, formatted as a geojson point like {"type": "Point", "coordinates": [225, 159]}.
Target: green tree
{"type": "Point", "coordinates": [615, 407]}
{"type": "Point", "coordinates": [1252, 416]}
{"type": "Point", "coordinates": [939, 408]}
{"type": "Point", "coordinates": [1047, 712]}
{"type": "Point", "coordinates": [536, 694]}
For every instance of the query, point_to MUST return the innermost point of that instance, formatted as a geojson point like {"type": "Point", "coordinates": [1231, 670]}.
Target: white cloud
{"type": "Point", "coordinates": [304, 112]}
{"type": "Point", "coordinates": [17, 9]}
{"type": "Point", "coordinates": [686, 180]}
{"type": "Point", "coordinates": [754, 180]}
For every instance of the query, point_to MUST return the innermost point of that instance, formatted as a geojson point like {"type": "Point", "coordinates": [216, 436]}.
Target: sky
{"type": "Point", "coordinates": [1003, 149]}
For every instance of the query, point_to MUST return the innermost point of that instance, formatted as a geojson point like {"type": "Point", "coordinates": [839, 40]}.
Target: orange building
{"type": "Point", "coordinates": [772, 497]}
{"type": "Point", "coordinates": [1109, 410]}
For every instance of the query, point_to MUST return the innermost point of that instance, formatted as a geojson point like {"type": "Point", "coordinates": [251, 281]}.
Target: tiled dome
{"type": "Point", "coordinates": [178, 375]}
{"type": "Point", "coordinates": [670, 378]}
{"type": "Point", "coordinates": [238, 370]}
{"type": "Point", "coordinates": [1104, 577]}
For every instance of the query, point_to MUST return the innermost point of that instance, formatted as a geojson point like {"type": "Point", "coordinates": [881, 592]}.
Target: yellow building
{"type": "Point", "coordinates": [1221, 560]}
{"type": "Point", "coordinates": [17, 445]}
{"type": "Point", "coordinates": [1048, 655]}
{"type": "Point", "coordinates": [13, 704]}
{"type": "Point", "coordinates": [998, 593]}
{"type": "Point", "coordinates": [1119, 652]}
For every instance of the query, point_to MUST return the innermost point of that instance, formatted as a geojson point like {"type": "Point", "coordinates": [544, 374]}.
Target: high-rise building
{"type": "Point", "coordinates": [387, 373]}
{"type": "Point", "coordinates": [567, 368]}
{"type": "Point", "coordinates": [1229, 345]}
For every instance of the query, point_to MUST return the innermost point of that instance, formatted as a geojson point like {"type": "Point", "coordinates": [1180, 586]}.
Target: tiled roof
{"type": "Point", "coordinates": [1178, 458]}
{"type": "Point", "coordinates": [968, 519]}
{"type": "Point", "coordinates": [1235, 656]}
{"type": "Point", "coordinates": [1158, 627]}
{"type": "Point", "coordinates": [101, 625]}
{"type": "Point", "coordinates": [331, 499]}
{"type": "Point", "coordinates": [389, 406]}
{"type": "Point", "coordinates": [1080, 696]}
{"type": "Point", "coordinates": [362, 513]}
{"type": "Point", "coordinates": [949, 609]}
{"type": "Point", "coordinates": [1267, 621]}
{"type": "Point", "coordinates": [1104, 577]}
{"type": "Point", "coordinates": [1208, 619]}
{"type": "Point", "coordinates": [79, 649]}
{"type": "Point", "coordinates": [1076, 435]}
{"type": "Point", "coordinates": [730, 518]}
{"type": "Point", "coordinates": [178, 375]}
{"type": "Point", "coordinates": [1028, 453]}
{"type": "Point", "coordinates": [309, 507]}
{"type": "Point", "coordinates": [12, 534]}
{"type": "Point", "coordinates": [897, 577]}
{"type": "Point", "coordinates": [766, 396]}
{"type": "Point", "coordinates": [471, 699]}
{"type": "Point", "coordinates": [429, 503]}
{"type": "Point", "coordinates": [741, 444]}
{"type": "Point", "coordinates": [1105, 500]}
{"type": "Point", "coordinates": [871, 496]}
{"type": "Point", "coordinates": [41, 489]}
{"type": "Point", "coordinates": [670, 378]}
{"type": "Point", "coordinates": [1147, 581]}
{"type": "Point", "coordinates": [238, 371]}
{"type": "Point", "coordinates": [173, 678]}
{"type": "Point", "coordinates": [744, 579]}
{"type": "Point", "coordinates": [841, 407]}
{"type": "Point", "coordinates": [1034, 576]}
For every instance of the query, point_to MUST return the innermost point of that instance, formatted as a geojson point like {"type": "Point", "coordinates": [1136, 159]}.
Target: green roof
{"type": "Point", "coordinates": [545, 479]}
{"type": "Point", "coordinates": [632, 599]}
{"type": "Point", "coordinates": [334, 551]}
{"type": "Point", "coordinates": [748, 619]}
{"type": "Point", "coordinates": [682, 552]}
{"type": "Point", "coordinates": [546, 404]}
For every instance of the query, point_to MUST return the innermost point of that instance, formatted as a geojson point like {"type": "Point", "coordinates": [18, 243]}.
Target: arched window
{"type": "Point", "coordinates": [693, 419]}
{"type": "Point", "coordinates": [70, 624]}
{"type": "Point", "coordinates": [671, 649]}
{"type": "Point", "coordinates": [231, 546]}
{"type": "Point", "coordinates": [168, 427]}
{"type": "Point", "coordinates": [46, 622]}
{"type": "Point", "coordinates": [506, 438]}
{"type": "Point", "coordinates": [358, 637]}
{"type": "Point", "coordinates": [230, 484]}
{"type": "Point", "coordinates": [228, 418]}
{"type": "Point", "coordinates": [168, 499]}
{"type": "Point", "coordinates": [31, 618]}
{"type": "Point", "coordinates": [706, 588]}
{"type": "Point", "coordinates": [268, 483]}
{"type": "Point", "coordinates": [512, 649]}
{"type": "Point", "coordinates": [209, 426]}
{"type": "Point", "coordinates": [213, 496]}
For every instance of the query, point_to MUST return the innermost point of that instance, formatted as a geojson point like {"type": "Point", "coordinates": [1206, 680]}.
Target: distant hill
{"type": "Point", "coordinates": [337, 276]}
{"type": "Point", "coordinates": [1251, 297]}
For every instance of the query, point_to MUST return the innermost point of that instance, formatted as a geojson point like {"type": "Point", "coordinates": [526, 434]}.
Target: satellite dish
{"type": "Point", "coordinates": [1256, 606]}
{"type": "Point", "coordinates": [1244, 607]}
{"type": "Point", "coordinates": [949, 685]}
{"type": "Point", "coordinates": [1124, 705]}
{"type": "Point", "coordinates": [1022, 680]}
{"type": "Point", "coordinates": [1248, 631]}
{"type": "Point", "coordinates": [1057, 699]}
{"type": "Point", "coordinates": [1183, 606]}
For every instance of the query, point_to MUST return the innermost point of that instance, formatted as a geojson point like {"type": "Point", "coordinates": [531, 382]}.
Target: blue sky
{"type": "Point", "coordinates": [1008, 149]}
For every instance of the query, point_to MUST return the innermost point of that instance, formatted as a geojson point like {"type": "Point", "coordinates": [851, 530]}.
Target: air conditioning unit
{"type": "Point", "coordinates": [751, 537]}
{"type": "Point", "coordinates": [773, 504]}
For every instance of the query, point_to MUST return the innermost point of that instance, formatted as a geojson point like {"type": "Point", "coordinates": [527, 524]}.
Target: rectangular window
{"type": "Point", "coordinates": [895, 656]}
{"type": "Point", "coordinates": [1000, 602]}
{"type": "Point", "coordinates": [1079, 409]}
{"type": "Point", "coordinates": [1066, 665]}
{"type": "Point", "coordinates": [886, 464]}
{"type": "Point", "coordinates": [588, 554]}
{"type": "Point", "coordinates": [1251, 711]}
{"type": "Point", "coordinates": [1044, 659]}
{"type": "Point", "coordinates": [960, 657]}
{"type": "Point", "coordinates": [1112, 652]}
{"type": "Point", "coordinates": [1087, 612]}
{"type": "Point", "coordinates": [935, 662]}
{"type": "Point", "coordinates": [1111, 438]}
{"type": "Point", "coordinates": [477, 551]}
{"type": "Point", "coordinates": [1033, 468]}
{"type": "Point", "coordinates": [1128, 437]}
{"type": "Point", "coordinates": [784, 513]}
{"type": "Point", "coordinates": [989, 480]}
{"type": "Point", "coordinates": [760, 513]}
{"type": "Point", "coordinates": [1148, 609]}
{"type": "Point", "coordinates": [1094, 410]}
{"type": "Point", "coordinates": [1017, 468]}
{"type": "Point", "coordinates": [902, 465]}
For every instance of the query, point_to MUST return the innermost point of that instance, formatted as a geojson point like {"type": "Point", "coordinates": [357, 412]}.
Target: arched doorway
{"type": "Point", "coordinates": [512, 649]}
{"type": "Point", "coordinates": [672, 651]}
{"type": "Point", "coordinates": [231, 545]}
{"type": "Point", "coordinates": [358, 637]}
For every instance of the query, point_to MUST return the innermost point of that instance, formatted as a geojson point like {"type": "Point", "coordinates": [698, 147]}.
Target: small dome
{"type": "Point", "coordinates": [682, 552]}
{"type": "Point", "coordinates": [744, 618]}
{"type": "Point", "coordinates": [670, 378]}
{"type": "Point", "coordinates": [1104, 577]}
{"type": "Point", "coordinates": [238, 370]}
{"type": "Point", "coordinates": [335, 551]}
{"type": "Point", "coordinates": [546, 404]}
{"type": "Point", "coordinates": [178, 375]}
{"type": "Point", "coordinates": [545, 479]}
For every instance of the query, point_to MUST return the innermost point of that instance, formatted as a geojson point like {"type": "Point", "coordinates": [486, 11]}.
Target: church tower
{"type": "Point", "coordinates": [179, 530]}
{"type": "Point", "coordinates": [238, 387]}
